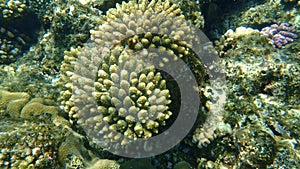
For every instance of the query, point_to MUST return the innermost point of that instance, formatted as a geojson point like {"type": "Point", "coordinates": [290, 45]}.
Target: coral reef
{"type": "Point", "coordinates": [26, 144]}
{"type": "Point", "coordinates": [124, 94]}
{"type": "Point", "coordinates": [264, 13]}
{"type": "Point", "coordinates": [256, 148]}
{"type": "Point", "coordinates": [59, 26]}
{"type": "Point", "coordinates": [280, 35]}
{"type": "Point", "coordinates": [12, 102]}
{"type": "Point", "coordinates": [105, 91]}
{"type": "Point", "coordinates": [35, 135]}
{"type": "Point", "coordinates": [269, 12]}
{"type": "Point", "coordinates": [192, 11]}
{"type": "Point", "coordinates": [12, 9]}
{"type": "Point", "coordinates": [264, 83]}
{"type": "Point", "coordinates": [258, 59]}
{"type": "Point", "coordinates": [221, 15]}
{"type": "Point", "coordinates": [32, 143]}
{"type": "Point", "coordinates": [11, 46]}
{"type": "Point", "coordinates": [64, 24]}
{"type": "Point", "coordinates": [236, 44]}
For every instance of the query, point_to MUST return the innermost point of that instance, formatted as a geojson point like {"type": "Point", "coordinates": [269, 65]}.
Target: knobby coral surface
{"type": "Point", "coordinates": [280, 35]}
{"type": "Point", "coordinates": [115, 88]}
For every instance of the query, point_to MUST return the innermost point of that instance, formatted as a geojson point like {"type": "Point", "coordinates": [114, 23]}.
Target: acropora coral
{"type": "Point", "coordinates": [73, 77]}
{"type": "Point", "coordinates": [126, 95]}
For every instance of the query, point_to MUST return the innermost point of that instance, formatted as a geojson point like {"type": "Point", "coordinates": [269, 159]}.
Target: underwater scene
{"type": "Point", "coordinates": [149, 84]}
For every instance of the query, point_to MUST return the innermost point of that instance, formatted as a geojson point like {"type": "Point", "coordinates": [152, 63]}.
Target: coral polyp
{"type": "Point", "coordinates": [118, 90]}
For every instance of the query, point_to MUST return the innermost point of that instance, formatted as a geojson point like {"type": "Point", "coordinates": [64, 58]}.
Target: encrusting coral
{"type": "Point", "coordinates": [112, 88]}
{"type": "Point", "coordinates": [262, 103]}
{"type": "Point", "coordinates": [12, 102]}
{"type": "Point", "coordinates": [18, 104]}
{"type": "Point", "coordinates": [29, 144]}
{"type": "Point", "coordinates": [34, 135]}
{"type": "Point", "coordinates": [30, 131]}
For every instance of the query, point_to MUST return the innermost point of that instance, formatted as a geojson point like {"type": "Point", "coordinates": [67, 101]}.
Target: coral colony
{"type": "Point", "coordinates": [280, 35]}
{"type": "Point", "coordinates": [11, 46]}
{"type": "Point", "coordinates": [77, 85]}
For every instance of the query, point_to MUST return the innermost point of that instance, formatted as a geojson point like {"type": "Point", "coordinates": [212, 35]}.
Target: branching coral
{"type": "Point", "coordinates": [119, 90]}
{"type": "Point", "coordinates": [11, 46]}
{"type": "Point", "coordinates": [12, 8]}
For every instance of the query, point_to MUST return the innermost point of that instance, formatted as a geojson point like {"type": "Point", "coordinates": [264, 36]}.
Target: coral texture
{"type": "Point", "coordinates": [280, 35]}
{"type": "Point", "coordinates": [11, 46]}
{"type": "Point", "coordinates": [29, 144]}
{"type": "Point", "coordinates": [260, 152]}
{"type": "Point", "coordinates": [12, 8]}
{"type": "Point", "coordinates": [12, 102]}
{"type": "Point", "coordinates": [105, 164]}
{"type": "Point", "coordinates": [127, 95]}
{"type": "Point", "coordinates": [262, 103]}
{"type": "Point", "coordinates": [18, 105]}
{"type": "Point", "coordinates": [113, 94]}
{"type": "Point", "coordinates": [34, 135]}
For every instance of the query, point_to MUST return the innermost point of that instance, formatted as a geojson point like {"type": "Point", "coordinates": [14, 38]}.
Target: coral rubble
{"type": "Point", "coordinates": [28, 144]}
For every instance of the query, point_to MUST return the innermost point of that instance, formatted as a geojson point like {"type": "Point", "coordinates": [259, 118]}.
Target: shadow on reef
{"type": "Point", "coordinates": [17, 35]}
{"type": "Point", "coordinates": [216, 13]}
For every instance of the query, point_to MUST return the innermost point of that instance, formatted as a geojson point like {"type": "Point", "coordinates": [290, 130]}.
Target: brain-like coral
{"type": "Point", "coordinates": [117, 89]}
